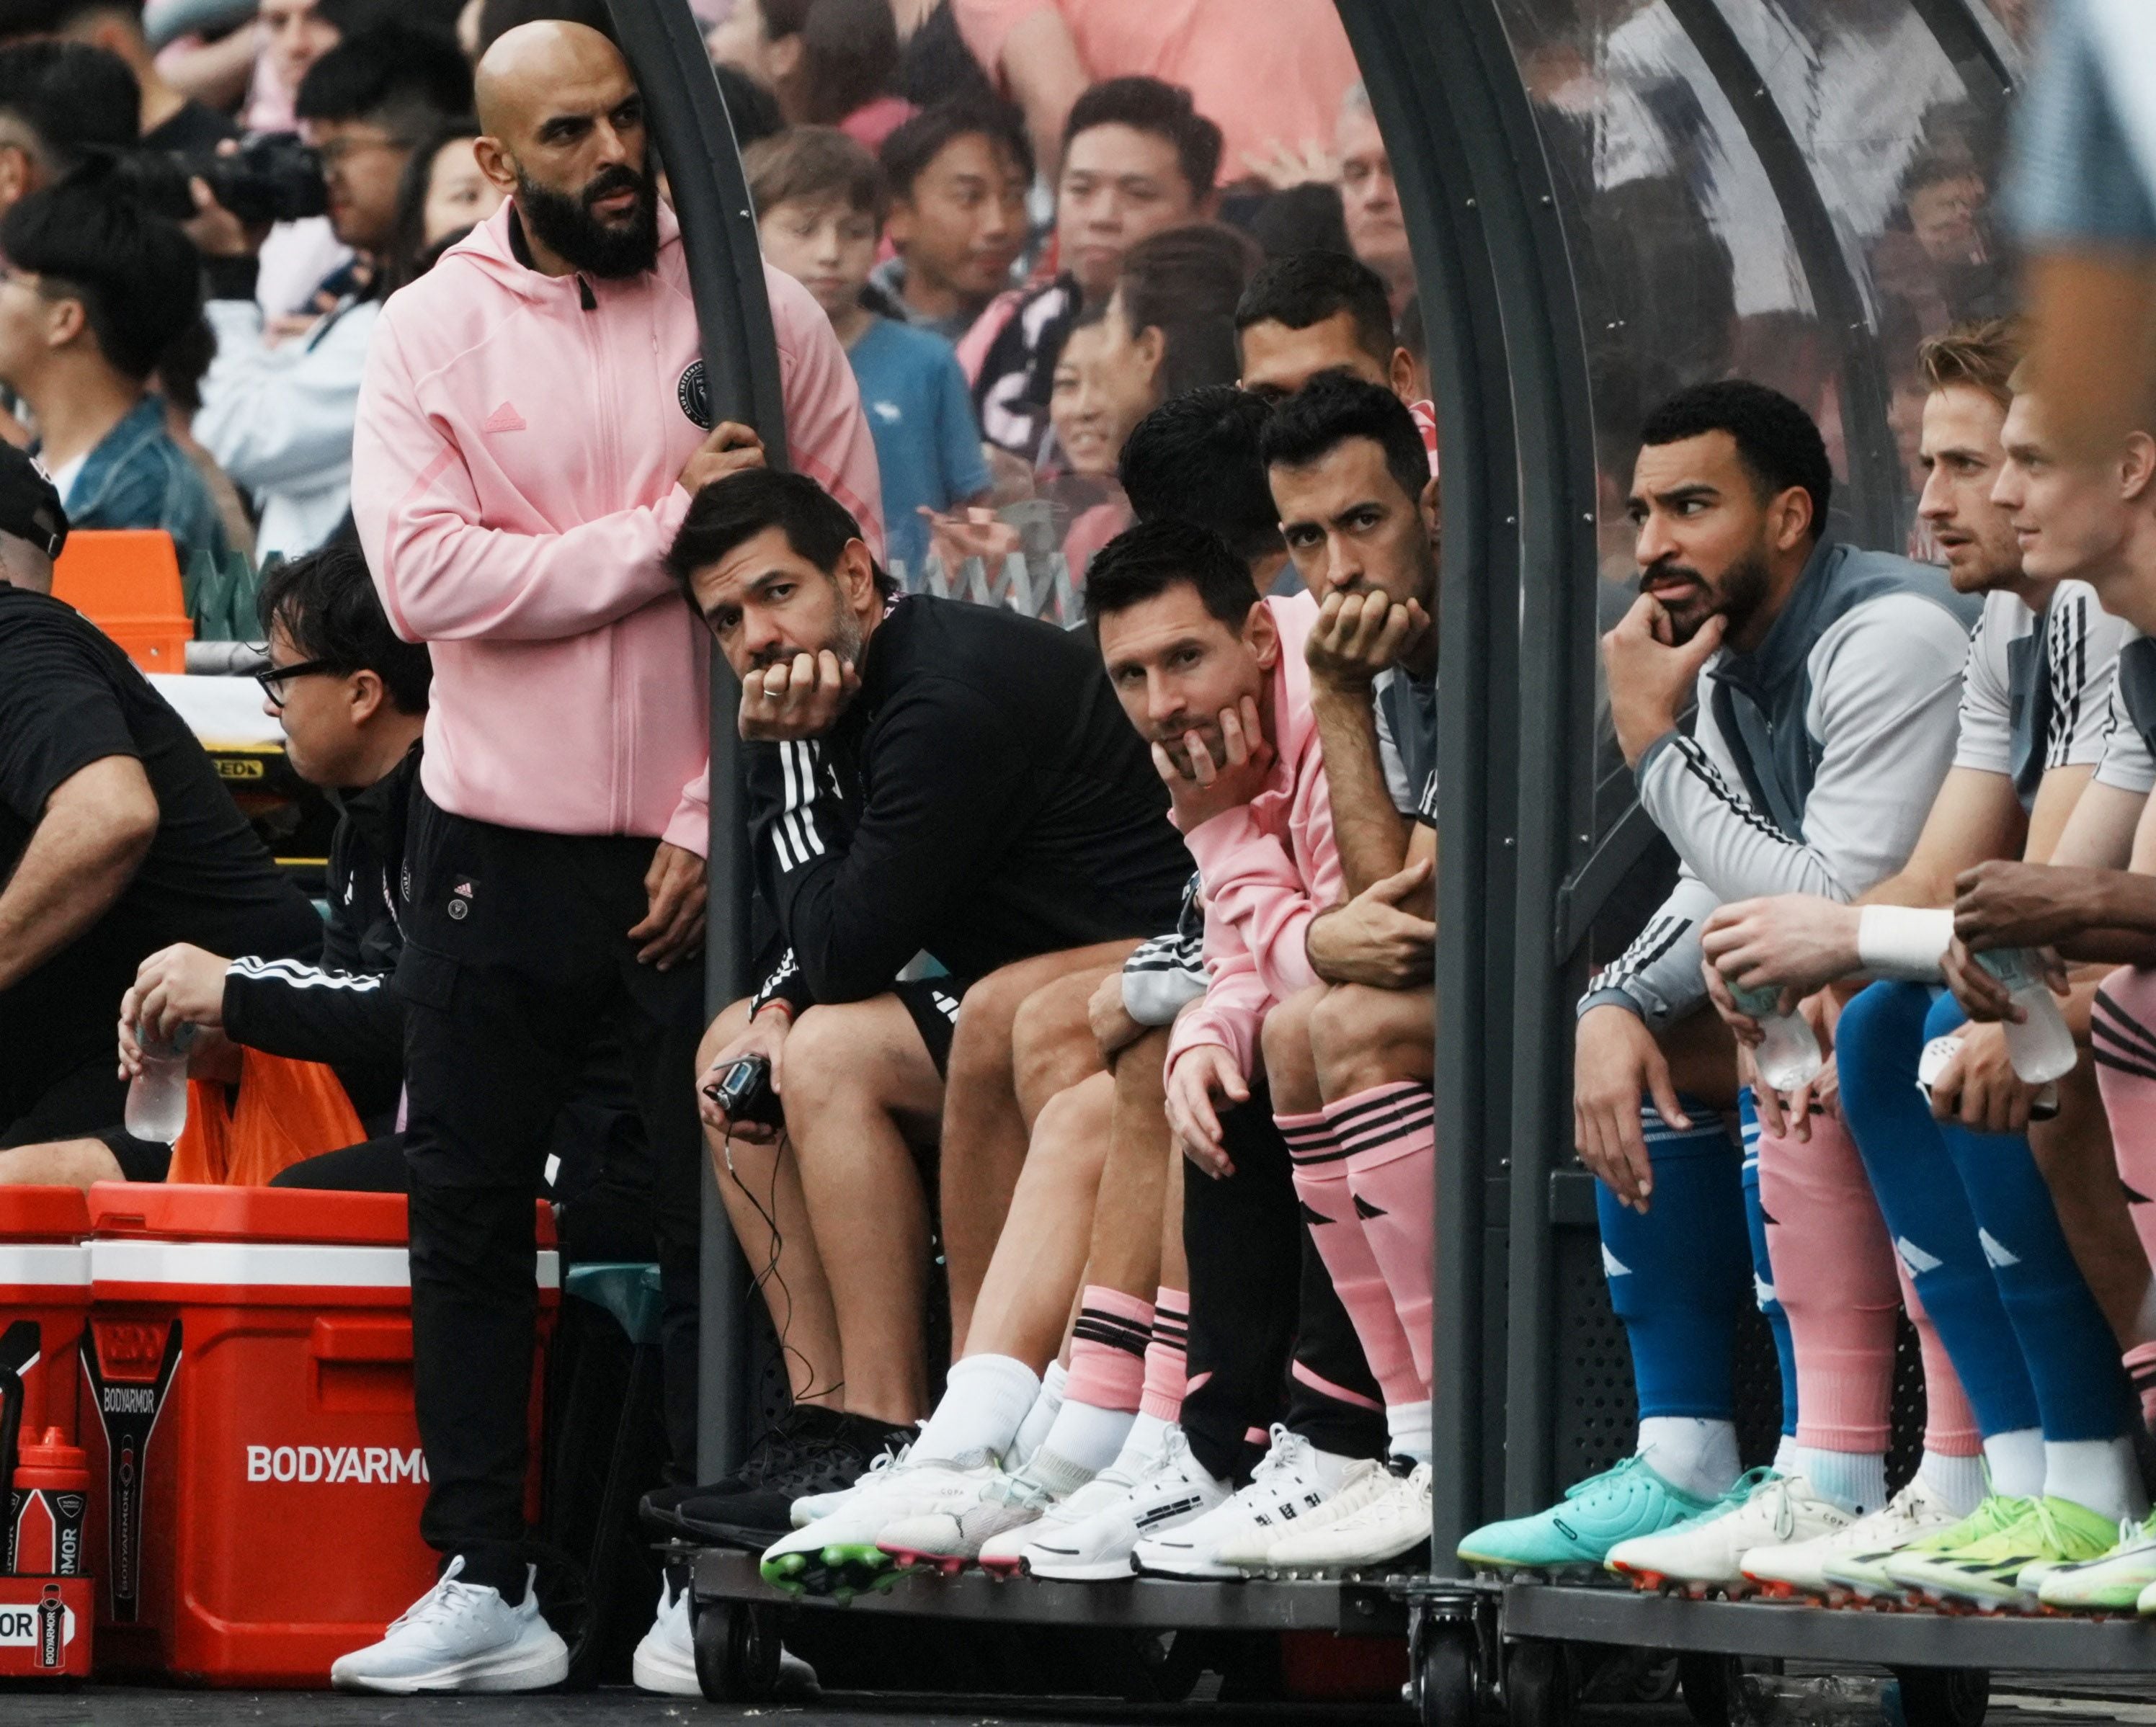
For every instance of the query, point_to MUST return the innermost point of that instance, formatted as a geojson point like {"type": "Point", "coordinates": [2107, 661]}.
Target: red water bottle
{"type": "Point", "coordinates": [51, 1495]}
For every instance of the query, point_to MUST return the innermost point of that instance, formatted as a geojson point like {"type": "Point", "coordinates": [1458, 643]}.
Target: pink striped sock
{"type": "Point", "coordinates": [2141, 1369]}
{"type": "Point", "coordinates": [1108, 1348]}
{"type": "Point", "coordinates": [2124, 1048]}
{"type": "Point", "coordinates": [1389, 1135]}
{"type": "Point", "coordinates": [1167, 1357]}
{"type": "Point", "coordinates": [1328, 1209]}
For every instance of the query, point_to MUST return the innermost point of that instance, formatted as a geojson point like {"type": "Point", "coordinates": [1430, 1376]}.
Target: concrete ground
{"type": "Point", "coordinates": [2017, 1701]}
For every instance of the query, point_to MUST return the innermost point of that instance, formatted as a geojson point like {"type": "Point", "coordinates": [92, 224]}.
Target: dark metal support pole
{"type": "Point", "coordinates": [696, 141]}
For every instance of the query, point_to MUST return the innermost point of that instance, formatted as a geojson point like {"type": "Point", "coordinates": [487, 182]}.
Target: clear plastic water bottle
{"type": "Point", "coordinates": [157, 1096]}
{"type": "Point", "coordinates": [1789, 1056]}
{"type": "Point", "coordinates": [2040, 1047]}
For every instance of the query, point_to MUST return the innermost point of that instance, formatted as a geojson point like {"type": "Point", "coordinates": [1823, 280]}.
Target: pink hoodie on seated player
{"type": "Point", "coordinates": [571, 683]}
{"type": "Point", "coordinates": [1269, 868]}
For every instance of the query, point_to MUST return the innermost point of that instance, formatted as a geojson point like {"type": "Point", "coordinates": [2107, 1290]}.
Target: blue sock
{"type": "Point", "coordinates": [1876, 1046]}
{"type": "Point", "coordinates": [1678, 1276]}
{"type": "Point", "coordinates": [2072, 1356]}
{"type": "Point", "coordinates": [1763, 1266]}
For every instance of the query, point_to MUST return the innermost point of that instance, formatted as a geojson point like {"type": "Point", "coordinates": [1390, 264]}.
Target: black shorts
{"type": "Point", "coordinates": [81, 1105]}
{"type": "Point", "coordinates": [933, 1003]}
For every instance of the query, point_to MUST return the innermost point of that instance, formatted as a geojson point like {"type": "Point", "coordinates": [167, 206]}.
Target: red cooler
{"type": "Point", "coordinates": [248, 1391]}
{"type": "Point", "coordinates": [44, 1297]}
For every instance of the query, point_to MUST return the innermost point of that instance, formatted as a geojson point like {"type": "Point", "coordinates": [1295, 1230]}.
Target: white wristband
{"type": "Point", "coordinates": [1903, 942]}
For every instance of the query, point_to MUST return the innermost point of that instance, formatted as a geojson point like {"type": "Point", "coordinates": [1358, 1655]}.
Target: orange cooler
{"type": "Point", "coordinates": [248, 1395]}
{"type": "Point", "coordinates": [44, 1296]}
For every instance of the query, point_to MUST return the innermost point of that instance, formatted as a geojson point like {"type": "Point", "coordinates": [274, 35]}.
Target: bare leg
{"type": "Point", "coordinates": [761, 1188]}
{"type": "Point", "coordinates": [2075, 1152]}
{"type": "Point", "coordinates": [1026, 1299]}
{"type": "Point", "coordinates": [1126, 1246]}
{"type": "Point", "coordinates": [1290, 1071]}
{"type": "Point", "coordinates": [60, 1163]}
{"type": "Point", "coordinates": [1174, 1266]}
{"type": "Point", "coordinates": [1363, 1038]}
{"type": "Point", "coordinates": [984, 1125]}
{"type": "Point", "coordinates": [1703, 1057]}
{"type": "Point", "coordinates": [860, 1091]}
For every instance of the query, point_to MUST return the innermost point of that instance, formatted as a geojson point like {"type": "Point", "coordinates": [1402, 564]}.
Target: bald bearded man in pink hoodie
{"type": "Point", "coordinates": [534, 421]}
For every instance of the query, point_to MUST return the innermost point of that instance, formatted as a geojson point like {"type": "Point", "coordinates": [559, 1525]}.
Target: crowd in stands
{"type": "Point", "coordinates": [1094, 962]}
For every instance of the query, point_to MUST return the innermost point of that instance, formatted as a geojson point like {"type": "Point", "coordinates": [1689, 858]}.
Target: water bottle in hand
{"type": "Point", "coordinates": [1788, 1056]}
{"type": "Point", "coordinates": [157, 1096]}
{"type": "Point", "coordinates": [2040, 1047]}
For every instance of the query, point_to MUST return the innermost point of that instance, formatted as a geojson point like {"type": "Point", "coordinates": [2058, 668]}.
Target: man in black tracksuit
{"type": "Point", "coordinates": [352, 700]}
{"type": "Point", "coordinates": [927, 778]}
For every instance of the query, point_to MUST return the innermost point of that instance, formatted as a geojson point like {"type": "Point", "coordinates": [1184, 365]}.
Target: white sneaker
{"type": "Point", "coordinates": [1390, 1523]}
{"type": "Point", "coordinates": [1251, 1550]}
{"type": "Point", "coordinates": [806, 1509]}
{"type": "Point", "coordinates": [837, 1551]}
{"type": "Point", "coordinates": [1286, 1485]}
{"type": "Point", "coordinates": [460, 1637]}
{"type": "Point", "coordinates": [1803, 1567]}
{"type": "Point", "coordinates": [1009, 1502]}
{"type": "Point", "coordinates": [666, 1661]}
{"type": "Point", "coordinates": [1708, 1553]}
{"type": "Point", "coordinates": [1089, 1538]}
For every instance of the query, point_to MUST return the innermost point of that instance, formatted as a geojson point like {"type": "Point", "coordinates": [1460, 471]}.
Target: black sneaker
{"type": "Point", "coordinates": [756, 1516]}
{"type": "Point", "coordinates": [804, 1431]}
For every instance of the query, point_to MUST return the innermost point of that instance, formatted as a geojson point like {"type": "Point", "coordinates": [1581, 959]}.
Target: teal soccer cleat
{"type": "Point", "coordinates": [1576, 1534]}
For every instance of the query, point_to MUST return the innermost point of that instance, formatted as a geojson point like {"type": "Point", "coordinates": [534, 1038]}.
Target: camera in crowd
{"type": "Point", "coordinates": [273, 177]}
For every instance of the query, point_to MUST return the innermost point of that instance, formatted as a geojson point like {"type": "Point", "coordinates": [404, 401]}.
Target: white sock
{"type": "Point", "coordinates": [2101, 1475]}
{"type": "Point", "coordinates": [985, 1401]}
{"type": "Point", "coordinates": [2016, 1461]}
{"type": "Point", "coordinates": [1088, 1435]}
{"type": "Point", "coordinates": [1855, 1480]}
{"type": "Point", "coordinates": [1690, 1453]}
{"type": "Point", "coordinates": [1957, 1480]}
{"type": "Point", "coordinates": [1785, 1455]}
{"type": "Point", "coordinates": [1041, 1417]}
{"type": "Point", "coordinates": [1407, 1431]}
{"type": "Point", "coordinates": [1147, 1439]}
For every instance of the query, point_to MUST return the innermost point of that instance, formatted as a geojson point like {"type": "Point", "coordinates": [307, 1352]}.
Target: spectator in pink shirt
{"type": "Point", "coordinates": [1271, 77]}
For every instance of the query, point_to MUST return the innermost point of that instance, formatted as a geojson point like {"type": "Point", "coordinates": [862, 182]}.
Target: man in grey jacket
{"type": "Point", "coordinates": [1827, 681]}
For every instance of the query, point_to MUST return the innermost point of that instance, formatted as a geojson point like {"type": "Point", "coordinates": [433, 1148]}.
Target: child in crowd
{"type": "Point", "coordinates": [819, 201]}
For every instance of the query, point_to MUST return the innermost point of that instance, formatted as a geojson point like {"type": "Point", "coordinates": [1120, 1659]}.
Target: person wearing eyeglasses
{"type": "Point", "coordinates": [116, 839]}
{"type": "Point", "coordinates": [352, 701]}
{"type": "Point", "coordinates": [281, 399]}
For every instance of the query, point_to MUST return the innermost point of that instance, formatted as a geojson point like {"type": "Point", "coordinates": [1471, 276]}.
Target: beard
{"type": "Point", "coordinates": [847, 640]}
{"type": "Point", "coordinates": [564, 223]}
{"type": "Point", "coordinates": [1737, 600]}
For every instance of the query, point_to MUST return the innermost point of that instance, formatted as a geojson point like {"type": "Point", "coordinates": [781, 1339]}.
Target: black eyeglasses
{"type": "Point", "coordinates": [273, 678]}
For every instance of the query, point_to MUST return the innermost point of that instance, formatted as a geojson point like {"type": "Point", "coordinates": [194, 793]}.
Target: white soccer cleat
{"type": "Point", "coordinates": [1090, 1537]}
{"type": "Point", "coordinates": [1708, 1552]}
{"type": "Point", "coordinates": [838, 1553]}
{"type": "Point", "coordinates": [666, 1661]}
{"type": "Point", "coordinates": [1285, 1486]}
{"type": "Point", "coordinates": [460, 1637]}
{"type": "Point", "coordinates": [1810, 1567]}
{"type": "Point", "coordinates": [1008, 1502]}
{"type": "Point", "coordinates": [1390, 1521]}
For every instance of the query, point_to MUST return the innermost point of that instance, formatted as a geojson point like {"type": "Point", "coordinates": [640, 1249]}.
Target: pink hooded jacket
{"type": "Point", "coordinates": [1268, 869]}
{"type": "Point", "coordinates": [514, 483]}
